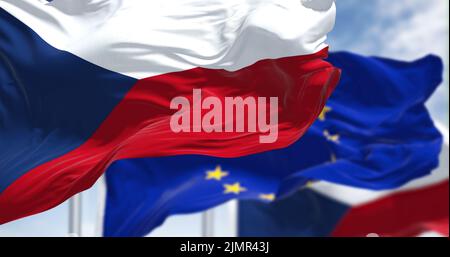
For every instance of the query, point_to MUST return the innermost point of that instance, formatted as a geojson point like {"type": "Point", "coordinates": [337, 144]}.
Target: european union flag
{"type": "Point", "coordinates": [375, 133]}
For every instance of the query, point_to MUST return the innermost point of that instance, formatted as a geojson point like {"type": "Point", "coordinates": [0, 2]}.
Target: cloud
{"type": "Point", "coordinates": [419, 28]}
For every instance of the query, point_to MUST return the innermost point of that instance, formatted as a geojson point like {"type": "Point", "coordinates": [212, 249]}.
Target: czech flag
{"type": "Point", "coordinates": [84, 83]}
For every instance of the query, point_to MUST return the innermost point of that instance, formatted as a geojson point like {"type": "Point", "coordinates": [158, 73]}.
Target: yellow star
{"type": "Point", "coordinates": [216, 174]}
{"type": "Point", "coordinates": [234, 188]}
{"type": "Point", "coordinates": [324, 112]}
{"type": "Point", "coordinates": [267, 197]}
{"type": "Point", "coordinates": [332, 138]}
{"type": "Point", "coordinates": [308, 184]}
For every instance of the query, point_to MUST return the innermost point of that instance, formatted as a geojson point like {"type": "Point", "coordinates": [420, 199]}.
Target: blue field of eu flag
{"type": "Point", "coordinates": [374, 132]}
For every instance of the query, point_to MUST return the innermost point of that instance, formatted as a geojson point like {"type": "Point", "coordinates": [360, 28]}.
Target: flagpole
{"type": "Point", "coordinates": [101, 201]}
{"type": "Point", "coordinates": [75, 218]}
{"type": "Point", "coordinates": [233, 214]}
{"type": "Point", "coordinates": [75, 201]}
{"type": "Point", "coordinates": [208, 223]}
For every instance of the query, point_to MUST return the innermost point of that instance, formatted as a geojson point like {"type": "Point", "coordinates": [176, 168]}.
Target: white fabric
{"type": "Point", "coordinates": [142, 38]}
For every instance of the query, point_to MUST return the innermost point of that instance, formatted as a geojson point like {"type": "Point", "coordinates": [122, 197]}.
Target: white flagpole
{"type": "Point", "coordinates": [101, 202]}
{"type": "Point", "coordinates": [234, 219]}
{"type": "Point", "coordinates": [75, 218]}
{"type": "Point", "coordinates": [208, 223]}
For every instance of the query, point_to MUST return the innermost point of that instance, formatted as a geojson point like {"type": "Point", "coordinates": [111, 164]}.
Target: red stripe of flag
{"type": "Point", "coordinates": [406, 213]}
{"type": "Point", "coordinates": [139, 126]}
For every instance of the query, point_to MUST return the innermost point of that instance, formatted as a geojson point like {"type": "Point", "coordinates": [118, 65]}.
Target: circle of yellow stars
{"type": "Point", "coordinates": [322, 116]}
{"type": "Point", "coordinates": [235, 188]}
{"type": "Point", "coordinates": [335, 138]}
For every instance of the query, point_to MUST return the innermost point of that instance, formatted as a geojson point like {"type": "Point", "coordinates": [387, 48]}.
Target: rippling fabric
{"type": "Point", "coordinates": [374, 133]}
{"type": "Point", "coordinates": [147, 38]}
{"type": "Point", "coordinates": [85, 83]}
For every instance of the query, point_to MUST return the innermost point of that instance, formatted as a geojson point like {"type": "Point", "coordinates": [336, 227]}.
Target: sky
{"type": "Point", "coordinates": [400, 29]}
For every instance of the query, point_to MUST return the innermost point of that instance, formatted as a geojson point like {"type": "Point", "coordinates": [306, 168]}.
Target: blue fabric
{"type": "Point", "coordinates": [377, 135]}
{"type": "Point", "coordinates": [386, 134]}
{"type": "Point", "coordinates": [305, 213]}
{"type": "Point", "coordinates": [50, 100]}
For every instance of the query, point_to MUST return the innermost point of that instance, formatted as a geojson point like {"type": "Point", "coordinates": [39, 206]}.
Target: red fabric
{"type": "Point", "coordinates": [439, 226]}
{"type": "Point", "coordinates": [401, 214]}
{"type": "Point", "coordinates": [139, 126]}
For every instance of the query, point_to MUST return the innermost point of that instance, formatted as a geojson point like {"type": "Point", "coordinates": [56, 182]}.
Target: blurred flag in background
{"type": "Point", "coordinates": [374, 133]}
{"type": "Point", "coordinates": [326, 209]}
